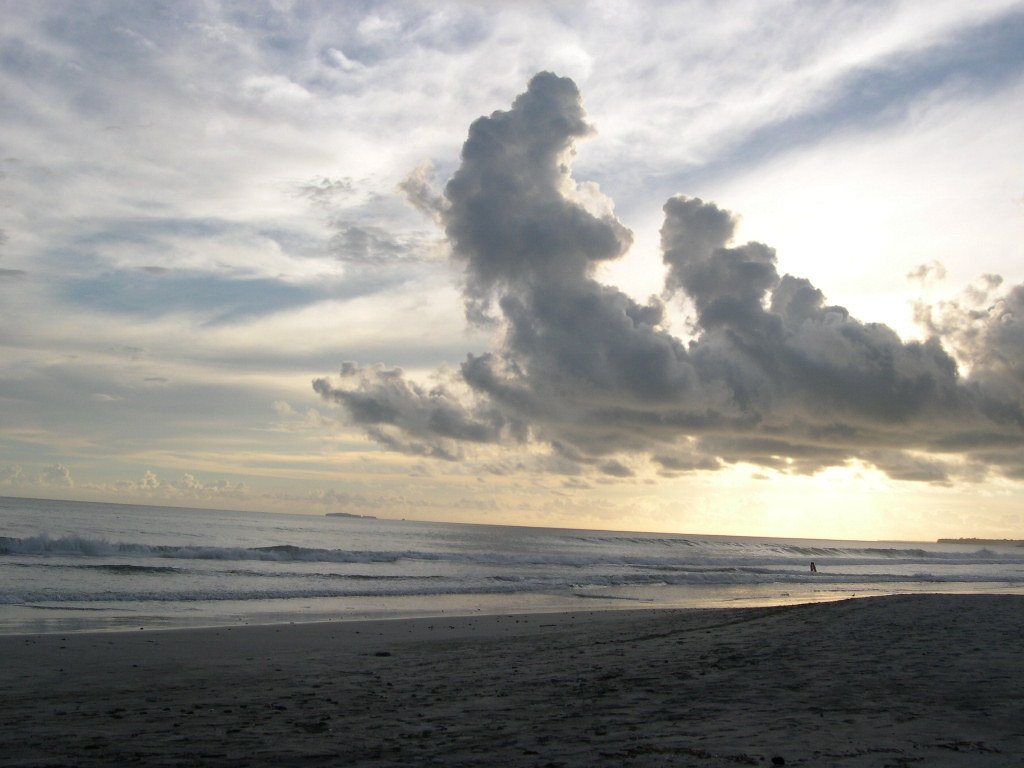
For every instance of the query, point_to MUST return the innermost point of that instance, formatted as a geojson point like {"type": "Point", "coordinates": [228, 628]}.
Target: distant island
{"type": "Point", "coordinates": [1000, 542]}
{"type": "Point", "coordinates": [347, 514]}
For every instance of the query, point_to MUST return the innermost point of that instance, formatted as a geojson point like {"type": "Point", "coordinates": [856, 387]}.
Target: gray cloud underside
{"type": "Point", "coordinates": [773, 375]}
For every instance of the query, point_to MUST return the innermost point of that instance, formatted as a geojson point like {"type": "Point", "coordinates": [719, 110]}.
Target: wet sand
{"type": "Point", "coordinates": [933, 680]}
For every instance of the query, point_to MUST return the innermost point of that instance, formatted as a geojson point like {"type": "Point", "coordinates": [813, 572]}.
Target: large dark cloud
{"type": "Point", "coordinates": [773, 376]}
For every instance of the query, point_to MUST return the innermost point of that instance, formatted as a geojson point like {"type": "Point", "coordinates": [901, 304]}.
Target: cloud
{"type": "Point", "coordinates": [52, 476]}
{"type": "Point", "coordinates": [985, 329]}
{"type": "Point", "coordinates": [275, 89]}
{"type": "Point", "coordinates": [326, 192]}
{"type": "Point", "coordinates": [369, 244]}
{"type": "Point", "coordinates": [933, 271]}
{"type": "Point", "coordinates": [353, 502]}
{"type": "Point", "coordinates": [615, 468]}
{"type": "Point", "coordinates": [418, 190]}
{"type": "Point", "coordinates": [878, 80]}
{"type": "Point", "coordinates": [56, 476]}
{"type": "Point", "coordinates": [515, 217]}
{"type": "Point", "coordinates": [12, 474]}
{"type": "Point", "coordinates": [185, 487]}
{"type": "Point", "coordinates": [147, 293]}
{"type": "Point", "coordinates": [773, 376]}
{"type": "Point", "coordinates": [371, 226]}
{"type": "Point", "coordinates": [413, 419]}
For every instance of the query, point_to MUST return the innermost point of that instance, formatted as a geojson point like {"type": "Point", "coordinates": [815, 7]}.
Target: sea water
{"type": "Point", "coordinates": [71, 566]}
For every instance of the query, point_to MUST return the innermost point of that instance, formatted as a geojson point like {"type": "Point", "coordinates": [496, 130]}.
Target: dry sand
{"type": "Point", "coordinates": [926, 680]}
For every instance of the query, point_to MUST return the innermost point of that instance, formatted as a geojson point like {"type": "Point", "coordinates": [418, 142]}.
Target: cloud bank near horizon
{"type": "Point", "coordinates": [772, 376]}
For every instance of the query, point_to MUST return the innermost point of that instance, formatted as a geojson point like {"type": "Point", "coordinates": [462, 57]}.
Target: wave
{"type": "Point", "coordinates": [77, 546]}
{"type": "Point", "coordinates": [774, 547]}
{"type": "Point", "coordinates": [128, 569]}
{"type": "Point", "coordinates": [696, 555]}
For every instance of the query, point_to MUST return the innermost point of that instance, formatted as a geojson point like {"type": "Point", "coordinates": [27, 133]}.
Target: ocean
{"type": "Point", "coordinates": [79, 566]}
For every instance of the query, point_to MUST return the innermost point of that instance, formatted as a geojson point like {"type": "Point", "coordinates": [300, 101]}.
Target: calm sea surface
{"type": "Point", "coordinates": [70, 566]}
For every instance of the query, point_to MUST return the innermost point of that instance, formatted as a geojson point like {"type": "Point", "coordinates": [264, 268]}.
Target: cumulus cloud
{"type": "Point", "coordinates": [515, 218]}
{"type": "Point", "coordinates": [774, 375]}
{"type": "Point", "coordinates": [56, 476]}
{"type": "Point", "coordinates": [410, 418]}
{"type": "Point", "coordinates": [356, 503]}
{"type": "Point", "coordinates": [185, 487]}
{"type": "Point", "coordinates": [984, 328]}
{"type": "Point", "coordinates": [12, 474]}
{"type": "Point", "coordinates": [51, 476]}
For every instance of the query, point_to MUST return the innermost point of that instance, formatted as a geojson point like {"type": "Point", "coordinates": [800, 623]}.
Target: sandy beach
{"type": "Point", "coordinates": [934, 680]}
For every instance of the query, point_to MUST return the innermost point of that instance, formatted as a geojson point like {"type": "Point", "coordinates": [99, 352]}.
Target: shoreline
{"type": "Point", "coordinates": [101, 617]}
{"type": "Point", "coordinates": [60, 619]}
{"type": "Point", "coordinates": [937, 679]}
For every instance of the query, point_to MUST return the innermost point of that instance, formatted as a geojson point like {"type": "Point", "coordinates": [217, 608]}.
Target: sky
{"type": "Point", "coordinates": [742, 267]}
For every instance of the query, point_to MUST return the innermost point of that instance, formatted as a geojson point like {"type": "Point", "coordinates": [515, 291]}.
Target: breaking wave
{"type": "Point", "coordinates": [673, 553]}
